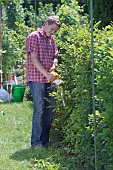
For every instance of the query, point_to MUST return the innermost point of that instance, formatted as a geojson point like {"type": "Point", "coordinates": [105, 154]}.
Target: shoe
{"type": "Point", "coordinates": [49, 144]}
{"type": "Point", "coordinates": [39, 146]}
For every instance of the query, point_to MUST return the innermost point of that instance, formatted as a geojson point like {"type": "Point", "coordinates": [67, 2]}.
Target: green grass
{"type": "Point", "coordinates": [15, 150]}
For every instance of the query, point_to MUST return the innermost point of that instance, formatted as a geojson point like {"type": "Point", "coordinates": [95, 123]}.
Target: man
{"type": "Point", "coordinates": [41, 52]}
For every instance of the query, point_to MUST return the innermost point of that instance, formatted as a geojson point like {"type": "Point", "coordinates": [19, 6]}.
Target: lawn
{"type": "Point", "coordinates": [15, 150]}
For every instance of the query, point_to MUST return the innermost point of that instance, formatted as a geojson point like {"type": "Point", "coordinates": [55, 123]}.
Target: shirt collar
{"type": "Point", "coordinates": [42, 32]}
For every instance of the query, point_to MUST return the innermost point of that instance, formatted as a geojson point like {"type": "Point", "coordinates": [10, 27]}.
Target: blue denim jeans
{"type": "Point", "coordinates": [43, 112]}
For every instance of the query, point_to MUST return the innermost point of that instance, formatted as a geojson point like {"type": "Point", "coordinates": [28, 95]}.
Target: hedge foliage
{"type": "Point", "coordinates": [76, 120]}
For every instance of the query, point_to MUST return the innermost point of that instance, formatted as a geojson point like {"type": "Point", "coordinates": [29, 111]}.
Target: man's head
{"type": "Point", "coordinates": [52, 24]}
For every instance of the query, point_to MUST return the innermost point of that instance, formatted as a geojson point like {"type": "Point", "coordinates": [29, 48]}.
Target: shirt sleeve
{"type": "Point", "coordinates": [32, 44]}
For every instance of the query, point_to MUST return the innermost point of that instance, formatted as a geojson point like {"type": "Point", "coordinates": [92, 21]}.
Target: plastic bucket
{"type": "Point", "coordinates": [18, 92]}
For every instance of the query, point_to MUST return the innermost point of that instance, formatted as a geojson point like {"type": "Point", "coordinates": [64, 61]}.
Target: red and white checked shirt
{"type": "Point", "coordinates": [37, 42]}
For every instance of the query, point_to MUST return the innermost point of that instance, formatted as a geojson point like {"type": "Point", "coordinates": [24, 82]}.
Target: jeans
{"type": "Point", "coordinates": [43, 112]}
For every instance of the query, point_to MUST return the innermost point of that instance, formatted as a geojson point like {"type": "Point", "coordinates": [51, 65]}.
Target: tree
{"type": "Point", "coordinates": [36, 4]}
{"type": "Point", "coordinates": [102, 11]}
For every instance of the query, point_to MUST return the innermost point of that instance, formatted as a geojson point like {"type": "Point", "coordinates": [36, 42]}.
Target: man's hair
{"type": "Point", "coordinates": [53, 20]}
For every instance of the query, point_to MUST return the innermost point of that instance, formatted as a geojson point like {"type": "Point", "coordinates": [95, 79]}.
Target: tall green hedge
{"type": "Point", "coordinates": [75, 124]}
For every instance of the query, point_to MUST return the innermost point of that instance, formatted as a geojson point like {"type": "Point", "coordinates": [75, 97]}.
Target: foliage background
{"type": "Point", "coordinates": [75, 123]}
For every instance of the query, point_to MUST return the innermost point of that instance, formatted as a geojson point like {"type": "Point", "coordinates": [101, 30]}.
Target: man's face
{"type": "Point", "coordinates": [50, 29]}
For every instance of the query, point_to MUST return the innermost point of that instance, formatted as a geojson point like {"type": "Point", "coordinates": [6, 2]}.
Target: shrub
{"type": "Point", "coordinates": [75, 120]}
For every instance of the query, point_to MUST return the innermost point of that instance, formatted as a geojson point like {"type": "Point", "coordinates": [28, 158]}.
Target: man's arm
{"type": "Point", "coordinates": [38, 65]}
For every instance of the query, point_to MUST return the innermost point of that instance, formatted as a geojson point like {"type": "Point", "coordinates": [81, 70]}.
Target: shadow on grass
{"type": "Point", "coordinates": [51, 155]}
{"type": "Point", "coordinates": [30, 153]}
{"type": "Point", "coordinates": [24, 154]}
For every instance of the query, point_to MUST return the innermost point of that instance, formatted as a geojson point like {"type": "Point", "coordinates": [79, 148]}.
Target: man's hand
{"type": "Point", "coordinates": [50, 77]}
{"type": "Point", "coordinates": [52, 69]}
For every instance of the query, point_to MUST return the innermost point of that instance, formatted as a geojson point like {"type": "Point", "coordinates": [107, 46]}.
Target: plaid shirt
{"type": "Point", "coordinates": [37, 42]}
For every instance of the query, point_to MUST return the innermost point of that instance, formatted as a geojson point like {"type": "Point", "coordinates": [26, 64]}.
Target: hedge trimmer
{"type": "Point", "coordinates": [58, 82]}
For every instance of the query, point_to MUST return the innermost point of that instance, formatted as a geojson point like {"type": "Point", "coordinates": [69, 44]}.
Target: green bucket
{"type": "Point", "coordinates": [18, 92]}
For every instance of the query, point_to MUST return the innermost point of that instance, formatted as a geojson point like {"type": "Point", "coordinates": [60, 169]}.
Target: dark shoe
{"type": "Point", "coordinates": [39, 146]}
{"type": "Point", "coordinates": [49, 144]}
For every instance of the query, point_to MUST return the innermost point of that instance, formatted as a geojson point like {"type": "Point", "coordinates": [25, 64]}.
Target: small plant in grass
{"type": "Point", "coordinates": [46, 165]}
